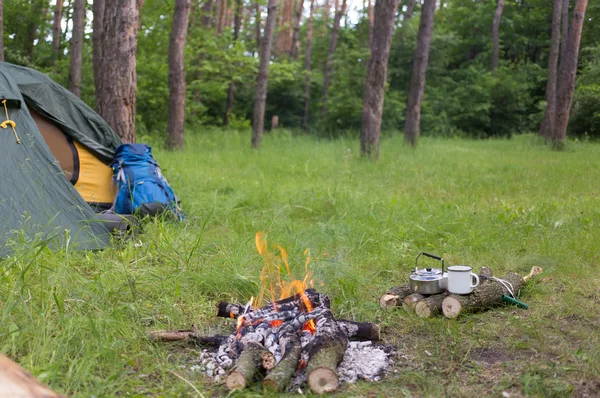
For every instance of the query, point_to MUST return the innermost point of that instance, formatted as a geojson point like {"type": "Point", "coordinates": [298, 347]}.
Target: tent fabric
{"type": "Point", "coordinates": [61, 107]}
{"type": "Point", "coordinates": [37, 202]}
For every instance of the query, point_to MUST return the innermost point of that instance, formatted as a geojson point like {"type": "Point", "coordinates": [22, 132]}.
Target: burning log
{"type": "Point", "coordinates": [279, 377]}
{"type": "Point", "coordinates": [253, 358]}
{"type": "Point", "coordinates": [488, 294]}
{"type": "Point", "coordinates": [432, 305]}
{"type": "Point", "coordinates": [360, 330]}
{"type": "Point", "coordinates": [394, 296]}
{"type": "Point", "coordinates": [326, 352]}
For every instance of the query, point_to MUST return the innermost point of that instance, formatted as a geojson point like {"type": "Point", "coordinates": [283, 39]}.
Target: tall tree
{"type": "Point", "coordinates": [307, 67]}
{"type": "Point", "coordinates": [547, 125]}
{"type": "Point", "coordinates": [296, 35]}
{"type": "Point", "coordinates": [1, 30]}
{"type": "Point", "coordinates": [257, 27]}
{"type": "Point", "coordinates": [283, 41]}
{"type": "Point", "coordinates": [260, 100]}
{"type": "Point", "coordinates": [77, 47]}
{"type": "Point", "coordinates": [329, 64]}
{"type": "Point", "coordinates": [565, 30]}
{"type": "Point", "coordinates": [409, 9]}
{"type": "Point", "coordinates": [176, 119]}
{"type": "Point", "coordinates": [116, 92]}
{"type": "Point", "coordinates": [56, 28]}
{"type": "Point", "coordinates": [496, 35]}
{"type": "Point", "coordinates": [412, 124]}
{"type": "Point", "coordinates": [567, 73]}
{"type": "Point", "coordinates": [237, 22]}
{"type": "Point", "coordinates": [383, 30]}
{"type": "Point", "coordinates": [97, 35]}
{"type": "Point", "coordinates": [371, 17]}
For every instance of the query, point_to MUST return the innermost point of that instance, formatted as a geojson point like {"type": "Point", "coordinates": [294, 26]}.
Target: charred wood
{"type": "Point", "coordinates": [253, 358]}
{"type": "Point", "coordinates": [280, 376]}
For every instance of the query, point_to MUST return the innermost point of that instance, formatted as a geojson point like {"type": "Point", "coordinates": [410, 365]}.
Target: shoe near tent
{"type": "Point", "coordinates": [60, 163]}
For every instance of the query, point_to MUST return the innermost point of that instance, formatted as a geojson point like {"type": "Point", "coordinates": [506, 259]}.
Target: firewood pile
{"type": "Point", "coordinates": [491, 292]}
{"type": "Point", "coordinates": [289, 342]}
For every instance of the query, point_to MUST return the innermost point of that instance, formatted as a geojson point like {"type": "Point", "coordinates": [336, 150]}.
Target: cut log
{"type": "Point", "coordinates": [248, 366]}
{"type": "Point", "coordinates": [190, 335]}
{"type": "Point", "coordinates": [486, 295]}
{"type": "Point", "coordinates": [485, 272]}
{"type": "Point", "coordinates": [17, 382]}
{"type": "Point", "coordinates": [393, 297]}
{"type": "Point", "coordinates": [326, 352]}
{"type": "Point", "coordinates": [409, 303]}
{"type": "Point", "coordinates": [279, 377]}
{"type": "Point", "coordinates": [360, 330]}
{"type": "Point", "coordinates": [430, 306]}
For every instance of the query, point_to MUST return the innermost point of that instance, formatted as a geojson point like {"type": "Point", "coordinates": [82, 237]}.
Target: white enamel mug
{"type": "Point", "coordinates": [461, 280]}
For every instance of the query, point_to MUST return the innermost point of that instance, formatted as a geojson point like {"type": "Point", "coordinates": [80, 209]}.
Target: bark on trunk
{"type": "Point", "coordinates": [77, 47]}
{"type": "Point", "coordinates": [567, 74]}
{"type": "Point", "coordinates": [177, 87]}
{"type": "Point", "coordinates": [1, 30]}
{"type": "Point", "coordinates": [496, 35]}
{"type": "Point", "coordinates": [394, 297]}
{"type": "Point", "coordinates": [329, 63]}
{"type": "Point", "coordinates": [385, 11]}
{"type": "Point", "coordinates": [410, 302]}
{"type": "Point", "coordinates": [257, 25]}
{"type": "Point", "coordinates": [487, 294]}
{"type": "Point", "coordinates": [283, 42]}
{"type": "Point", "coordinates": [97, 37]}
{"type": "Point", "coordinates": [410, 8]}
{"type": "Point", "coordinates": [565, 30]}
{"type": "Point", "coordinates": [206, 19]}
{"type": "Point", "coordinates": [237, 23]}
{"type": "Point", "coordinates": [258, 121]}
{"type": "Point", "coordinates": [116, 93]}
{"type": "Point", "coordinates": [547, 125]}
{"type": "Point", "coordinates": [56, 29]}
{"type": "Point", "coordinates": [307, 66]}
{"type": "Point", "coordinates": [296, 35]}
{"type": "Point", "coordinates": [417, 83]}
{"type": "Point", "coordinates": [371, 16]}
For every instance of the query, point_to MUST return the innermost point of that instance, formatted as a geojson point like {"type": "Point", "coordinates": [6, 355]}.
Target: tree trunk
{"type": "Point", "coordinates": [260, 101]}
{"type": "Point", "coordinates": [1, 30]}
{"type": "Point", "coordinates": [565, 30]}
{"type": "Point", "coordinates": [385, 11]}
{"type": "Point", "coordinates": [36, 9]}
{"type": "Point", "coordinates": [296, 35]}
{"type": "Point", "coordinates": [371, 16]}
{"type": "Point", "coordinates": [237, 23]}
{"type": "Point", "coordinates": [547, 125]}
{"type": "Point", "coordinates": [567, 74]}
{"type": "Point", "coordinates": [257, 25]}
{"type": "Point", "coordinates": [410, 8]}
{"type": "Point", "coordinates": [496, 35]}
{"type": "Point", "coordinates": [176, 119]}
{"type": "Point", "coordinates": [206, 19]}
{"type": "Point", "coordinates": [307, 66]}
{"type": "Point", "coordinates": [56, 29]}
{"type": "Point", "coordinates": [77, 47]}
{"type": "Point", "coordinates": [329, 63]}
{"type": "Point", "coordinates": [97, 36]}
{"type": "Point", "coordinates": [283, 42]}
{"type": "Point", "coordinates": [116, 93]}
{"type": "Point", "coordinates": [417, 83]}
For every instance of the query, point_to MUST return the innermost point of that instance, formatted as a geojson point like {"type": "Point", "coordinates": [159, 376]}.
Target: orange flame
{"type": "Point", "coordinates": [277, 288]}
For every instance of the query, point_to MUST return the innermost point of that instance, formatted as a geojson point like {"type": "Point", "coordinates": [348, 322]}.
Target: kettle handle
{"type": "Point", "coordinates": [430, 256]}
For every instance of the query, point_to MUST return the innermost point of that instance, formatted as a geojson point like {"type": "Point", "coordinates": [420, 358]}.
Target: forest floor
{"type": "Point", "coordinates": [77, 320]}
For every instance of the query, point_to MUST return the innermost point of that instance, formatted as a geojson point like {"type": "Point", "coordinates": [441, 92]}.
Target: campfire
{"type": "Point", "coordinates": [289, 335]}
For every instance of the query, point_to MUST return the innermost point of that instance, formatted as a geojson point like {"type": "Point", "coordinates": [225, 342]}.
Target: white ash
{"type": "Point", "coordinates": [365, 361]}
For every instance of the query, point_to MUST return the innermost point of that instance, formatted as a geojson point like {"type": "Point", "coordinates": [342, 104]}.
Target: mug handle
{"type": "Point", "coordinates": [476, 277]}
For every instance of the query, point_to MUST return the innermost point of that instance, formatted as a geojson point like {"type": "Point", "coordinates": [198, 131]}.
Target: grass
{"type": "Point", "coordinates": [77, 320]}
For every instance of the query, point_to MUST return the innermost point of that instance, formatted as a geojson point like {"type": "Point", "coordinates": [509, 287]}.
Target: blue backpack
{"type": "Point", "coordinates": [141, 187]}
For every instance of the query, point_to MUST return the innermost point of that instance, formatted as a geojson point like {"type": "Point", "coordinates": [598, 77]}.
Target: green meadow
{"type": "Point", "coordinates": [77, 320]}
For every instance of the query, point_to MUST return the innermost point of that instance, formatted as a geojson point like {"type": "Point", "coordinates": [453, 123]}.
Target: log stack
{"type": "Point", "coordinates": [281, 340]}
{"type": "Point", "coordinates": [488, 294]}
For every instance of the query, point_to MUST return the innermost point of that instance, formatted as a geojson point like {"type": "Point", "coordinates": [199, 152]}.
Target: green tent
{"type": "Point", "coordinates": [38, 203]}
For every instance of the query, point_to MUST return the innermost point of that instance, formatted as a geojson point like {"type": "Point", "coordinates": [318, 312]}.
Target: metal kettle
{"type": "Point", "coordinates": [428, 280]}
